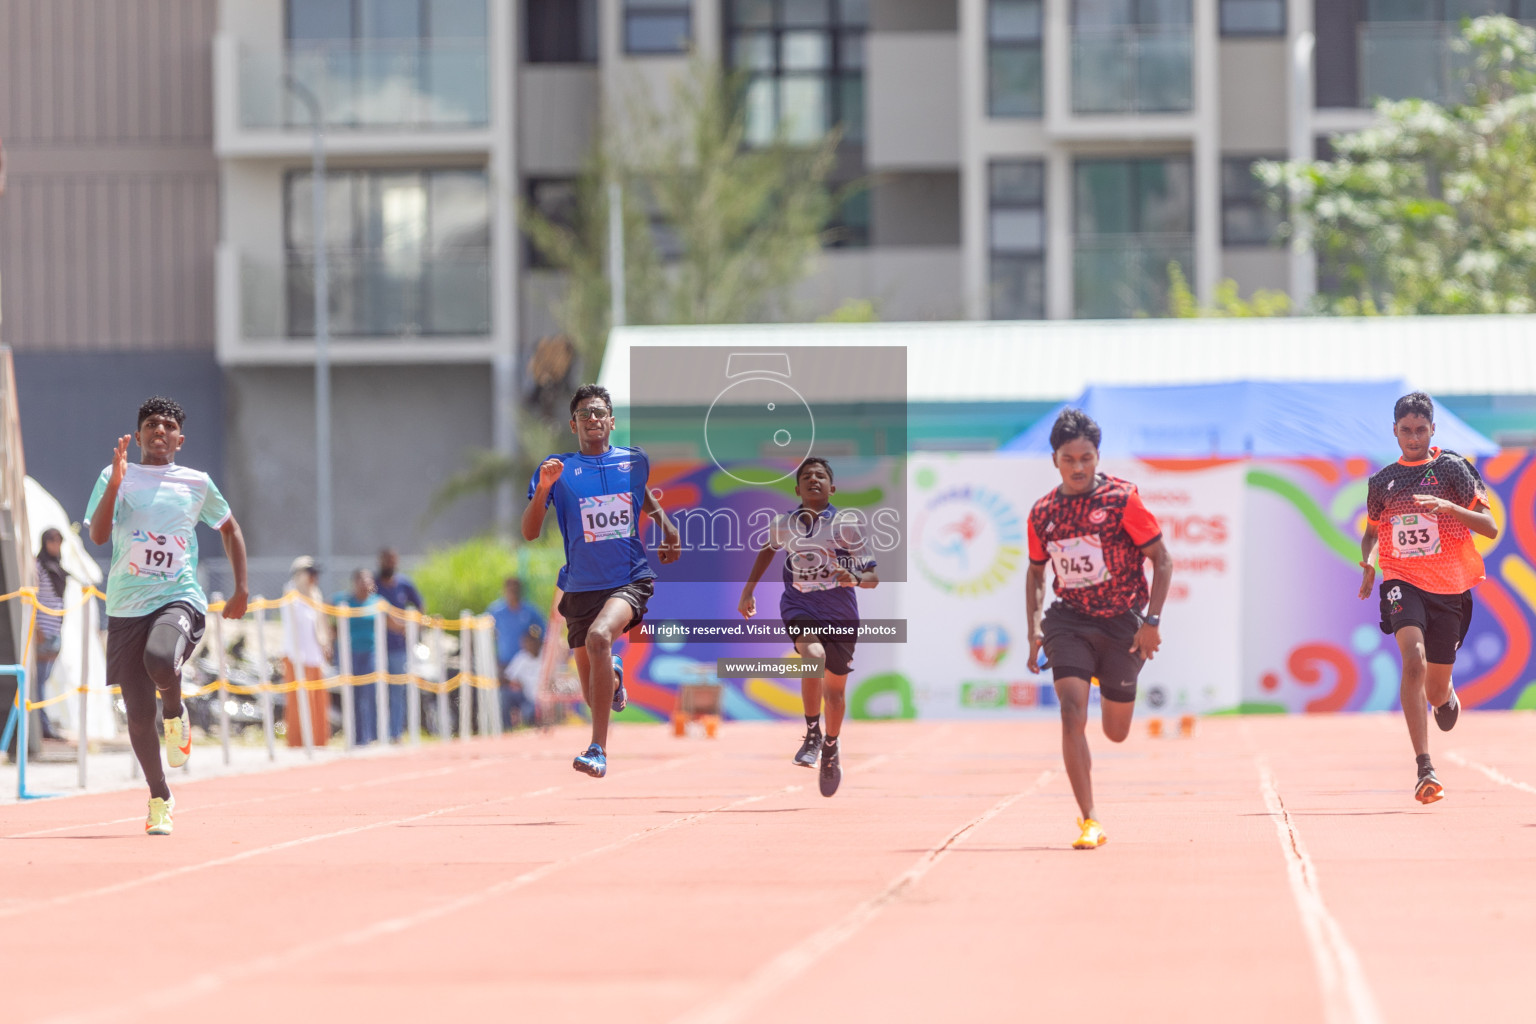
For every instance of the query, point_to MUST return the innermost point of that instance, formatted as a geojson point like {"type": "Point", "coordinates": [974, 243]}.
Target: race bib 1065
{"type": "Point", "coordinates": [1415, 535]}
{"type": "Point", "coordinates": [1078, 561]}
{"type": "Point", "coordinates": [608, 517]}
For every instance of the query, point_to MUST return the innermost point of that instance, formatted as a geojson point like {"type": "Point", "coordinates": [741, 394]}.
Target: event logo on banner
{"type": "Point", "coordinates": [970, 540]}
{"type": "Point", "coordinates": [989, 644]}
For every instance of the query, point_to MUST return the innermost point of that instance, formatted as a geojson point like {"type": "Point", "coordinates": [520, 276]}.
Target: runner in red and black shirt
{"type": "Point", "coordinates": [1422, 511]}
{"type": "Point", "coordinates": [1095, 532]}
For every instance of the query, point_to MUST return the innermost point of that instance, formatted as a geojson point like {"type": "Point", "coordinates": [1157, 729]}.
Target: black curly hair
{"type": "Point", "coordinates": [1071, 425]}
{"type": "Point", "coordinates": [160, 406]}
{"type": "Point", "coordinates": [1414, 402]}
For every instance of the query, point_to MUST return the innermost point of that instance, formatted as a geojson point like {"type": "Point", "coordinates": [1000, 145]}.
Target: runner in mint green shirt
{"type": "Point", "coordinates": [155, 606]}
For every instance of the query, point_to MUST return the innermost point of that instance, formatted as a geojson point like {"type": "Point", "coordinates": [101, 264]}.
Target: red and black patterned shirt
{"type": "Point", "coordinates": [1094, 543]}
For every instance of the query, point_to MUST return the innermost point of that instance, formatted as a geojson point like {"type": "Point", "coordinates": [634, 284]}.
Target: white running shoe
{"type": "Point", "coordinates": [159, 821]}
{"type": "Point", "coordinates": [178, 740]}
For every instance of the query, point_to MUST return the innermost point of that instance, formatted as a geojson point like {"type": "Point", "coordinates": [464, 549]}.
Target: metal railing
{"type": "Point", "coordinates": [372, 295]}
{"type": "Point", "coordinates": [1127, 275]}
{"type": "Point", "coordinates": [370, 86]}
{"type": "Point", "coordinates": [1132, 71]}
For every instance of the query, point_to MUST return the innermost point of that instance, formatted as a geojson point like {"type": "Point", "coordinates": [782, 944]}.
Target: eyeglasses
{"type": "Point", "coordinates": [591, 414]}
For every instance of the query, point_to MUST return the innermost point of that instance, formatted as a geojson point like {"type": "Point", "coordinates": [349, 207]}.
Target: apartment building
{"type": "Point", "coordinates": [1025, 159]}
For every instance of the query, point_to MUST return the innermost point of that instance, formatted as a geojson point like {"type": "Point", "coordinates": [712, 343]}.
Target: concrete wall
{"type": "Point", "coordinates": [398, 434]}
{"type": "Point", "coordinates": [1254, 99]}
{"type": "Point", "coordinates": [1257, 268]}
{"type": "Point", "coordinates": [557, 118]}
{"type": "Point", "coordinates": [912, 96]}
{"type": "Point", "coordinates": [904, 283]}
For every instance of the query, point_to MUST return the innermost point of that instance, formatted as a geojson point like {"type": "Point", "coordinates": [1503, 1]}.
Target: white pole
{"type": "Point", "coordinates": [440, 664]}
{"type": "Point", "coordinates": [82, 742]}
{"type": "Point", "coordinates": [264, 673]}
{"type": "Point", "coordinates": [619, 311]}
{"type": "Point", "coordinates": [412, 689]}
{"type": "Point", "coordinates": [221, 660]}
{"type": "Point", "coordinates": [487, 649]}
{"type": "Point", "coordinates": [344, 670]}
{"type": "Point", "coordinates": [466, 676]}
{"type": "Point", "coordinates": [306, 724]}
{"type": "Point", "coordinates": [381, 668]}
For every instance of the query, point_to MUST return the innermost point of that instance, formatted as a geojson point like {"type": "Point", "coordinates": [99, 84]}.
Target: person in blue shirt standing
{"type": "Point", "coordinates": [365, 708]}
{"type": "Point", "coordinates": [600, 493]}
{"type": "Point", "coordinates": [149, 510]}
{"type": "Point", "coordinates": [512, 618]}
{"type": "Point", "coordinates": [397, 589]}
{"type": "Point", "coordinates": [826, 555]}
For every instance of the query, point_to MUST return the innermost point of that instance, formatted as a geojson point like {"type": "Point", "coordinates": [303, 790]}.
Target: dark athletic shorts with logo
{"type": "Point", "coordinates": [839, 648]}
{"type": "Point", "coordinates": [581, 607]}
{"type": "Point", "coordinates": [1442, 618]}
{"type": "Point", "coordinates": [1086, 646]}
{"type": "Point", "coordinates": [128, 636]}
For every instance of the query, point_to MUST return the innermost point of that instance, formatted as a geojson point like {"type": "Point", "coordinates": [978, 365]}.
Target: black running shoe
{"type": "Point", "coordinates": [810, 749]}
{"type": "Point", "coordinates": [620, 696]}
{"type": "Point", "coordinates": [1445, 714]}
{"type": "Point", "coordinates": [1428, 789]}
{"type": "Point", "coordinates": [831, 771]}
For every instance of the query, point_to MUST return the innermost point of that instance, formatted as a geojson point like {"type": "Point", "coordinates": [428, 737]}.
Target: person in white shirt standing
{"type": "Point", "coordinates": [306, 651]}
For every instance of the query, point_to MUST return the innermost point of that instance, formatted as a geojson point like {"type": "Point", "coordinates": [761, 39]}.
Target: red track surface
{"type": "Point", "coordinates": [1268, 869]}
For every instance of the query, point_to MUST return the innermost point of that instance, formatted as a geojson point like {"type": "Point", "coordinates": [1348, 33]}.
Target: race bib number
{"type": "Point", "coordinates": [607, 517]}
{"type": "Point", "coordinates": [1415, 535]}
{"type": "Point", "coordinates": [156, 555]}
{"type": "Point", "coordinates": [813, 570]}
{"type": "Point", "coordinates": [1078, 561]}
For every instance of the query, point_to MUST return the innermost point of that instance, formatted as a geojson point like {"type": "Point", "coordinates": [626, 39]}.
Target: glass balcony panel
{"type": "Point", "coordinates": [1163, 79]}
{"type": "Point", "coordinates": [371, 295]}
{"type": "Point", "coordinates": [1132, 71]}
{"type": "Point", "coordinates": [1017, 288]}
{"type": "Point", "coordinates": [1127, 275]}
{"type": "Point", "coordinates": [1018, 231]}
{"type": "Point", "coordinates": [1015, 82]}
{"type": "Point", "coordinates": [1401, 59]}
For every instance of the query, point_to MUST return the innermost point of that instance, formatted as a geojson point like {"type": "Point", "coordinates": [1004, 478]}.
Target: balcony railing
{"type": "Point", "coordinates": [369, 86]}
{"type": "Point", "coordinates": [371, 296]}
{"type": "Point", "coordinates": [1129, 71]}
{"type": "Point", "coordinates": [1127, 275]}
{"type": "Point", "coordinates": [1410, 59]}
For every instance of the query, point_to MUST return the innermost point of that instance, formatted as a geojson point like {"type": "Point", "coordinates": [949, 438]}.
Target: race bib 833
{"type": "Point", "coordinates": [1415, 535]}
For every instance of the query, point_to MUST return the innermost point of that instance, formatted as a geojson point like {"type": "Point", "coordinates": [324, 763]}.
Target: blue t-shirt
{"type": "Point", "coordinates": [599, 501]}
{"type": "Point", "coordinates": [815, 546]}
{"type": "Point", "coordinates": [402, 593]}
{"type": "Point", "coordinates": [361, 626]}
{"type": "Point", "coordinates": [511, 626]}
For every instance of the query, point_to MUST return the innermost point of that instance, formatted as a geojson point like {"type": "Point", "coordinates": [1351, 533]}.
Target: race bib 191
{"type": "Point", "coordinates": [1078, 561]}
{"type": "Point", "coordinates": [608, 517]}
{"type": "Point", "coordinates": [1415, 535]}
{"type": "Point", "coordinates": [156, 555]}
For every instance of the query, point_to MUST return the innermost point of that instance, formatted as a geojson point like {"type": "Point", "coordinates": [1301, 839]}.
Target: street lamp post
{"type": "Point", "coordinates": [322, 326]}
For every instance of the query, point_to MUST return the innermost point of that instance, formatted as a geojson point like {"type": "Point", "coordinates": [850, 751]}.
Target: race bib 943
{"type": "Point", "coordinates": [1415, 535]}
{"type": "Point", "coordinates": [157, 555]}
{"type": "Point", "coordinates": [607, 517]}
{"type": "Point", "coordinates": [1078, 561]}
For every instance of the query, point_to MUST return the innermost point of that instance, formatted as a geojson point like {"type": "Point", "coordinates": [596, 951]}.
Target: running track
{"type": "Point", "coordinates": [1270, 869]}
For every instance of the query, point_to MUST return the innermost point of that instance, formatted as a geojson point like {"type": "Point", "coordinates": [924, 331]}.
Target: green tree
{"type": "Point", "coordinates": [1432, 209]}
{"type": "Point", "coordinates": [1228, 301]}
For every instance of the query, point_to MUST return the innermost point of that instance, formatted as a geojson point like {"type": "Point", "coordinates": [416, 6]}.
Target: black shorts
{"type": "Point", "coordinates": [839, 650]}
{"type": "Point", "coordinates": [1085, 646]}
{"type": "Point", "coordinates": [127, 637]}
{"type": "Point", "coordinates": [580, 608]}
{"type": "Point", "coordinates": [1442, 618]}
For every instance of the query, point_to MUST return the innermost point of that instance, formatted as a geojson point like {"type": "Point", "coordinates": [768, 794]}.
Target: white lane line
{"type": "Point", "coordinates": [211, 981]}
{"type": "Point", "coordinates": [796, 960]}
{"type": "Point", "coordinates": [1492, 772]}
{"type": "Point", "coordinates": [1347, 997]}
{"type": "Point", "coordinates": [187, 869]}
{"type": "Point", "coordinates": [385, 780]}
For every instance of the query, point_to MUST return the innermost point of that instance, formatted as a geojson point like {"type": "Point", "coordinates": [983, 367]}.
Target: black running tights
{"type": "Point", "coordinates": [144, 657]}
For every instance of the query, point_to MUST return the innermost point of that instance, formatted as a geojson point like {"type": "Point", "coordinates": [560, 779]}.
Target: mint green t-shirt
{"type": "Point", "coordinates": [154, 536]}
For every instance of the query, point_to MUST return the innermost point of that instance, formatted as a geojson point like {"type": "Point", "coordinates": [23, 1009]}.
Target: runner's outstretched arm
{"type": "Point", "coordinates": [671, 541]}
{"type": "Point", "coordinates": [234, 550]}
{"type": "Point", "coordinates": [748, 604]}
{"type": "Point", "coordinates": [101, 515]}
{"type": "Point", "coordinates": [1149, 637]}
{"type": "Point", "coordinates": [1479, 521]}
{"type": "Point", "coordinates": [533, 515]}
{"type": "Point", "coordinates": [1368, 560]}
{"type": "Point", "coordinates": [1034, 598]}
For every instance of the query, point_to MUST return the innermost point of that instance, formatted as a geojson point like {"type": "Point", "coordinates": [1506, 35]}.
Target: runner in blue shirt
{"type": "Point", "coordinates": [155, 607]}
{"type": "Point", "coordinates": [600, 495]}
{"type": "Point", "coordinates": [826, 555]}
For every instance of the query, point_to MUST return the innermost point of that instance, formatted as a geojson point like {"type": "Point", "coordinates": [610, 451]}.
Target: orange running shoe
{"type": "Point", "coordinates": [1428, 789]}
{"type": "Point", "coordinates": [1092, 835]}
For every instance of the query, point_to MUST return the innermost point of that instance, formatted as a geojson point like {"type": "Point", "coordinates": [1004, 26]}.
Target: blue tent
{"type": "Point", "coordinates": [1251, 419]}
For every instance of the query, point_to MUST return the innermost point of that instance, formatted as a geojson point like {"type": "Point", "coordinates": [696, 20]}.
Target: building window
{"type": "Point", "coordinates": [849, 227]}
{"type": "Point", "coordinates": [1014, 70]}
{"type": "Point", "coordinates": [1407, 48]}
{"type": "Point", "coordinates": [390, 63]}
{"type": "Point", "coordinates": [1016, 234]}
{"type": "Point", "coordinates": [1133, 218]}
{"type": "Point", "coordinates": [1246, 216]}
{"type": "Point", "coordinates": [408, 252]}
{"type": "Point", "coordinates": [1132, 56]}
{"type": "Point", "coordinates": [1253, 17]}
{"type": "Point", "coordinates": [658, 26]}
{"type": "Point", "coordinates": [556, 199]}
{"type": "Point", "coordinates": [561, 31]}
{"type": "Point", "coordinates": [804, 61]}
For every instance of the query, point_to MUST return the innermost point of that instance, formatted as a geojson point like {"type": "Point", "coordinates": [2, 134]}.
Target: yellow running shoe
{"type": "Point", "coordinates": [159, 821]}
{"type": "Point", "coordinates": [178, 740]}
{"type": "Point", "coordinates": [1093, 836]}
